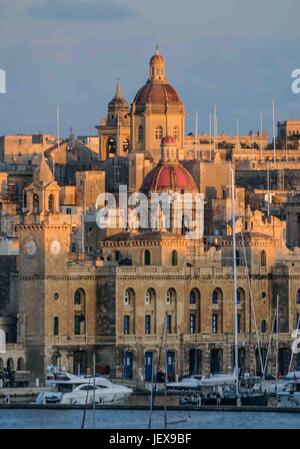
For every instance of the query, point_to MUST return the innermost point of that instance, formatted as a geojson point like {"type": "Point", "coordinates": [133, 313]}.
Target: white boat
{"type": "Point", "coordinates": [289, 392]}
{"type": "Point", "coordinates": [70, 389]}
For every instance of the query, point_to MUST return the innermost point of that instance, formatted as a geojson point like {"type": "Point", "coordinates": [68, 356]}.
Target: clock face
{"type": "Point", "coordinates": [55, 247]}
{"type": "Point", "coordinates": [30, 247]}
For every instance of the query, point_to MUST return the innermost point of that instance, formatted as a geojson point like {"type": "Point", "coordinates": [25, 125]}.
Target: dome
{"type": "Point", "coordinates": [157, 93]}
{"type": "Point", "coordinates": [168, 140]}
{"type": "Point", "coordinates": [42, 173]}
{"type": "Point", "coordinates": [169, 177]}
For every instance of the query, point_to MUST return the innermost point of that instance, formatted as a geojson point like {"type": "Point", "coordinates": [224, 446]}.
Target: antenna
{"type": "Point", "coordinates": [215, 127]}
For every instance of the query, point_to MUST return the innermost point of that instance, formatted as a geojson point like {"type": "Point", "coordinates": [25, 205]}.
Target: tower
{"type": "Point", "coordinates": [114, 131]}
{"type": "Point", "coordinates": [45, 240]}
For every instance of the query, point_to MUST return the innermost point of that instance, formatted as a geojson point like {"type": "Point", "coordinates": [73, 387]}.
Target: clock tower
{"type": "Point", "coordinates": [45, 240]}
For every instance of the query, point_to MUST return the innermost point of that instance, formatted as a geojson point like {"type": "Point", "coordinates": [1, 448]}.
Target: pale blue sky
{"type": "Point", "coordinates": [234, 53]}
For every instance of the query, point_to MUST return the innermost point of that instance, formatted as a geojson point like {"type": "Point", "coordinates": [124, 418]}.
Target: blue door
{"type": "Point", "coordinates": [128, 365]}
{"type": "Point", "coordinates": [148, 366]}
{"type": "Point", "coordinates": [171, 365]}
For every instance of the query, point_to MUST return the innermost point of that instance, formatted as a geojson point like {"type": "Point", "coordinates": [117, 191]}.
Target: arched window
{"type": "Point", "coordinates": [149, 296]}
{"type": "Point", "coordinates": [111, 146]}
{"type": "Point", "coordinates": [51, 204]}
{"type": "Point", "coordinates": [56, 326]}
{"type": "Point", "coordinates": [263, 326]}
{"type": "Point", "coordinates": [176, 133]}
{"type": "Point", "coordinates": [240, 295]}
{"type": "Point", "coordinates": [10, 363]}
{"type": "Point", "coordinates": [20, 364]}
{"type": "Point", "coordinates": [174, 258]}
{"type": "Point", "coordinates": [194, 296]}
{"type": "Point", "coordinates": [128, 296]}
{"type": "Point", "coordinates": [79, 297]}
{"type": "Point", "coordinates": [158, 133]}
{"type": "Point", "coordinates": [217, 296]}
{"type": "Point", "coordinates": [298, 296]}
{"type": "Point", "coordinates": [263, 259]}
{"type": "Point", "coordinates": [36, 204]}
{"type": "Point", "coordinates": [171, 296]}
{"type": "Point", "coordinates": [147, 257]}
{"type": "Point", "coordinates": [140, 134]}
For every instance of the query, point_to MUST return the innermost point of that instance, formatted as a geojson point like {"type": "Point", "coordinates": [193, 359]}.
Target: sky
{"type": "Point", "coordinates": [236, 54]}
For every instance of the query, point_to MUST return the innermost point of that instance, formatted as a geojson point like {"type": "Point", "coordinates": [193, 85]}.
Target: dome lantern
{"type": "Point", "coordinates": [157, 67]}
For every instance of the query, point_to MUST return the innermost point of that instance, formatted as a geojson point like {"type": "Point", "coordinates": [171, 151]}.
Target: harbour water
{"type": "Point", "coordinates": [138, 419]}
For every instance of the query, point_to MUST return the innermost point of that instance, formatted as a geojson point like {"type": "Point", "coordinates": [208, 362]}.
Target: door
{"type": "Point", "coordinates": [80, 362]}
{"type": "Point", "coordinates": [128, 365]}
{"type": "Point", "coordinates": [148, 366]}
{"type": "Point", "coordinates": [195, 361]}
{"type": "Point", "coordinates": [171, 366]}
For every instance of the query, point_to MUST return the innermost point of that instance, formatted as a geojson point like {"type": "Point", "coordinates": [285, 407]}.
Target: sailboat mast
{"type": "Point", "coordinates": [277, 337]}
{"type": "Point", "coordinates": [236, 369]}
{"type": "Point", "coordinates": [166, 371]}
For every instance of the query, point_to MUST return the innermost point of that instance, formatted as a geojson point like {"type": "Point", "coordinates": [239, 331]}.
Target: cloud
{"type": "Point", "coordinates": [80, 10]}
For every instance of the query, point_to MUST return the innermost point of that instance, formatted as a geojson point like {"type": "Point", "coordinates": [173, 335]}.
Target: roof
{"type": "Point", "coordinates": [43, 174]}
{"type": "Point", "coordinates": [157, 92]}
{"type": "Point", "coordinates": [169, 177]}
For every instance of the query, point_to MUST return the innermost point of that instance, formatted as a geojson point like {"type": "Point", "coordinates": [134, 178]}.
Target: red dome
{"type": "Point", "coordinates": [168, 140]}
{"type": "Point", "coordinates": [166, 176]}
{"type": "Point", "coordinates": [157, 93]}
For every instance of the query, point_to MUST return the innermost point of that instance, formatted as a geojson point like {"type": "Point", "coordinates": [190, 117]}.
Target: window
{"type": "Point", "coordinates": [147, 324]}
{"type": "Point", "coordinates": [148, 297]}
{"type": "Point", "coordinates": [240, 295]}
{"type": "Point", "coordinates": [174, 258]}
{"type": "Point", "coordinates": [78, 319]}
{"type": "Point", "coordinates": [298, 296]}
{"type": "Point", "coordinates": [239, 323]}
{"type": "Point", "coordinates": [169, 324]}
{"type": "Point", "coordinates": [79, 297]}
{"type": "Point", "coordinates": [56, 326]}
{"type": "Point", "coordinates": [263, 259]}
{"type": "Point", "coordinates": [194, 296]}
{"type": "Point", "coordinates": [214, 324]}
{"type": "Point", "coordinates": [126, 325]}
{"type": "Point", "coordinates": [140, 134]}
{"type": "Point", "coordinates": [176, 133]}
{"type": "Point", "coordinates": [36, 204]}
{"type": "Point", "coordinates": [263, 326]}
{"type": "Point", "coordinates": [217, 296]}
{"type": "Point", "coordinates": [238, 259]}
{"type": "Point", "coordinates": [56, 296]}
{"type": "Point", "coordinates": [158, 133]}
{"type": "Point", "coordinates": [298, 321]}
{"type": "Point", "coordinates": [147, 257]}
{"type": "Point", "coordinates": [263, 295]}
{"type": "Point", "coordinates": [192, 323]}
{"type": "Point", "coordinates": [51, 204]}
{"type": "Point", "coordinates": [169, 297]}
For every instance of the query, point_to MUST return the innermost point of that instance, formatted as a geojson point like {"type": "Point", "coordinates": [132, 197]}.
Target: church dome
{"type": "Point", "coordinates": [43, 173]}
{"type": "Point", "coordinates": [169, 177]}
{"type": "Point", "coordinates": [157, 90]}
{"type": "Point", "coordinates": [157, 93]}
